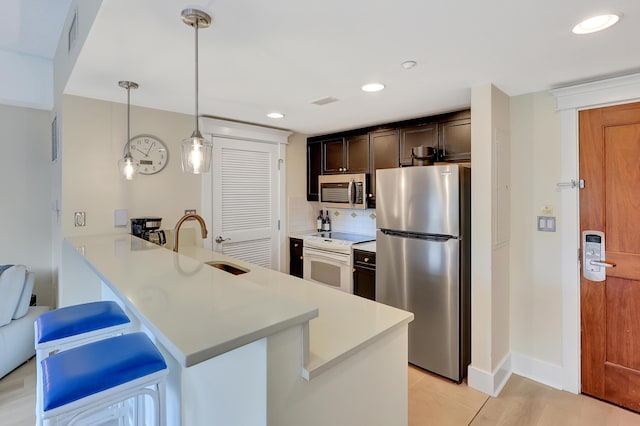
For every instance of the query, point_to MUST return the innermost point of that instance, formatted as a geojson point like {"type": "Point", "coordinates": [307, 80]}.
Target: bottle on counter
{"type": "Point", "coordinates": [319, 222]}
{"type": "Point", "coordinates": [327, 222]}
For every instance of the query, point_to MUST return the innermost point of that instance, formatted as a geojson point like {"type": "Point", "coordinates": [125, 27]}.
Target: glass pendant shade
{"type": "Point", "coordinates": [127, 167]}
{"type": "Point", "coordinates": [195, 151]}
{"type": "Point", "coordinates": [196, 155]}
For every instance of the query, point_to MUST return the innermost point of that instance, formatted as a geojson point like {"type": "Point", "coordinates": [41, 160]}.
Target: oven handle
{"type": "Point", "coordinates": [344, 259]}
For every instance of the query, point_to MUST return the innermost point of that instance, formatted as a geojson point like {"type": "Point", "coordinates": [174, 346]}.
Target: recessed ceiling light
{"type": "Point", "coordinates": [596, 23]}
{"type": "Point", "coordinates": [275, 115]}
{"type": "Point", "coordinates": [407, 65]}
{"type": "Point", "coordinates": [373, 87]}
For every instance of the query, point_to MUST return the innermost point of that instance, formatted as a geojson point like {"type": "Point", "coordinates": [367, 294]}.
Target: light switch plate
{"type": "Point", "coordinates": [120, 217]}
{"type": "Point", "coordinates": [79, 219]}
{"type": "Point", "coordinates": [547, 223]}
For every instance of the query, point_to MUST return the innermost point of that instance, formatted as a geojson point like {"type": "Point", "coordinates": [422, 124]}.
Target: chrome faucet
{"type": "Point", "coordinates": [183, 219]}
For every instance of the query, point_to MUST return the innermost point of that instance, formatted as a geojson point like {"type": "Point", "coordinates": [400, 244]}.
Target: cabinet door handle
{"type": "Point", "coordinates": [301, 257]}
{"type": "Point", "coordinates": [366, 259]}
{"type": "Point", "coordinates": [295, 245]}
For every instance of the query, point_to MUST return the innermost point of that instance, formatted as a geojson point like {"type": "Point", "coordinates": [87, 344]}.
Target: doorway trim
{"type": "Point", "coordinates": [214, 127]}
{"type": "Point", "coordinates": [571, 100]}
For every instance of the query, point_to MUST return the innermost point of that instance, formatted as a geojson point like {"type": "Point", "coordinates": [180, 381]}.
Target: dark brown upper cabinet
{"type": "Point", "coordinates": [346, 155]}
{"type": "Point", "coordinates": [357, 149]}
{"type": "Point", "coordinates": [411, 137]}
{"type": "Point", "coordinates": [454, 140]}
{"type": "Point", "coordinates": [333, 156]}
{"type": "Point", "coordinates": [314, 169]}
{"type": "Point", "coordinates": [366, 150]}
{"type": "Point", "coordinates": [384, 154]}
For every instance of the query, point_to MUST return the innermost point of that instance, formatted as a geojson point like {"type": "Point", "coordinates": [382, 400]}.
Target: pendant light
{"type": "Point", "coordinates": [196, 152]}
{"type": "Point", "coordinates": [128, 167]}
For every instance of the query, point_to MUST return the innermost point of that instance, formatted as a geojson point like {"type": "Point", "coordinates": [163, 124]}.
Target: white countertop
{"type": "Point", "coordinates": [301, 234]}
{"type": "Point", "coordinates": [202, 311]}
{"type": "Point", "coordinates": [345, 324]}
{"type": "Point", "coordinates": [370, 246]}
{"type": "Point", "coordinates": [196, 311]}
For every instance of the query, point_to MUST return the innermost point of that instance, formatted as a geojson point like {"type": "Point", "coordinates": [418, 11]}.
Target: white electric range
{"type": "Point", "coordinates": [328, 258]}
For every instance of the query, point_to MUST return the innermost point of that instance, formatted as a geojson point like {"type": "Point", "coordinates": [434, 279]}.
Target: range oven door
{"type": "Point", "coordinates": [328, 268]}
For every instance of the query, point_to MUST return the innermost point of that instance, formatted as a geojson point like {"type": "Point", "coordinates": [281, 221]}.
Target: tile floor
{"type": "Point", "coordinates": [432, 401]}
{"type": "Point", "coordinates": [523, 402]}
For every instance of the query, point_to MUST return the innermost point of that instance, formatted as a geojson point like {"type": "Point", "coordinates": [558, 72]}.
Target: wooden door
{"type": "Point", "coordinates": [610, 202]}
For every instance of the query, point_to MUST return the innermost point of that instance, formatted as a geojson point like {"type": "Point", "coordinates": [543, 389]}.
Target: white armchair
{"type": "Point", "coordinates": [16, 317]}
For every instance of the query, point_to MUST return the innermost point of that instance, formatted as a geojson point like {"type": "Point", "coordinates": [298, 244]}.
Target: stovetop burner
{"type": "Point", "coordinates": [339, 242]}
{"type": "Point", "coordinates": [354, 238]}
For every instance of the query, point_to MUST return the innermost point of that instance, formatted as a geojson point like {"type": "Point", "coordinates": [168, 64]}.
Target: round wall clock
{"type": "Point", "coordinates": [149, 153]}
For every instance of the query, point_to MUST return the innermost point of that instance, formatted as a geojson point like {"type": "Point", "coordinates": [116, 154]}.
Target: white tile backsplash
{"type": "Point", "coordinates": [353, 221]}
{"type": "Point", "coordinates": [302, 217]}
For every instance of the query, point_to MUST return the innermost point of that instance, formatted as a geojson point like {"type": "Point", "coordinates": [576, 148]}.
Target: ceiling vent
{"type": "Point", "coordinates": [324, 101]}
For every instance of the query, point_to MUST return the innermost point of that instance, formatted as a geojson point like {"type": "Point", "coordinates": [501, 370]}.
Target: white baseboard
{"type": "Point", "coordinates": [515, 363]}
{"type": "Point", "coordinates": [490, 383]}
{"type": "Point", "coordinates": [537, 370]}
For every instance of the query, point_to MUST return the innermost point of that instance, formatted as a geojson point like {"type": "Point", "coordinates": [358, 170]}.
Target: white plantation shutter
{"type": "Point", "coordinates": [243, 197]}
{"type": "Point", "coordinates": [246, 190]}
{"type": "Point", "coordinates": [254, 251]}
{"type": "Point", "coordinates": [246, 203]}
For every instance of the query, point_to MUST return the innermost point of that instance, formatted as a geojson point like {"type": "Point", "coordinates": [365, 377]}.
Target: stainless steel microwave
{"type": "Point", "coordinates": [347, 191]}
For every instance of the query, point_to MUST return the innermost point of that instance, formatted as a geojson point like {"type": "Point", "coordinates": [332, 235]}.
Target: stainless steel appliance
{"type": "Point", "coordinates": [148, 228]}
{"type": "Point", "coordinates": [328, 258]}
{"type": "Point", "coordinates": [348, 191]}
{"type": "Point", "coordinates": [423, 260]}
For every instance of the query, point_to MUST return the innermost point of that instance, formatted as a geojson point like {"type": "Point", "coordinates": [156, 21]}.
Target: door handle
{"type": "Point", "coordinates": [219, 239]}
{"type": "Point", "coordinates": [602, 263]}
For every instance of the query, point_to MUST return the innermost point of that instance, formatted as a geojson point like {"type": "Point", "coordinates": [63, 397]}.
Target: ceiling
{"type": "Point", "coordinates": [32, 27]}
{"type": "Point", "coordinates": [259, 56]}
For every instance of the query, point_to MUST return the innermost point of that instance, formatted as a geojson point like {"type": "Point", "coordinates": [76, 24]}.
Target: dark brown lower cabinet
{"type": "Point", "coordinates": [364, 274]}
{"type": "Point", "coordinates": [295, 257]}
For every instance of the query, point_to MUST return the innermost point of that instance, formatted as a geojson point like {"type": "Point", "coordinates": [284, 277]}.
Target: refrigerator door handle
{"type": "Point", "coordinates": [413, 235]}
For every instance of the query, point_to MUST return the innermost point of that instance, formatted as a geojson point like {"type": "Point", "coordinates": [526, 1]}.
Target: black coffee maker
{"type": "Point", "coordinates": [147, 228]}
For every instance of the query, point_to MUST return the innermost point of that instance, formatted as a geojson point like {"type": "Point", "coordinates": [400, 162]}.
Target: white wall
{"type": "Point", "coordinates": [26, 80]}
{"type": "Point", "coordinates": [535, 273]}
{"type": "Point", "coordinates": [63, 63]}
{"type": "Point", "coordinates": [301, 214]}
{"type": "Point", "coordinates": [25, 173]}
{"type": "Point", "coordinates": [490, 236]}
{"type": "Point", "coordinates": [94, 135]}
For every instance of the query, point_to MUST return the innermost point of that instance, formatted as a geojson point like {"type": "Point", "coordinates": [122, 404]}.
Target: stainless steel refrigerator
{"type": "Point", "coordinates": [423, 260]}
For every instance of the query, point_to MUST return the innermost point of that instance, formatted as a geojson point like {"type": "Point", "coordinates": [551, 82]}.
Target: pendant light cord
{"type": "Point", "coordinates": [196, 25]}
{"type": "Point", "coordinates": [128, 118]}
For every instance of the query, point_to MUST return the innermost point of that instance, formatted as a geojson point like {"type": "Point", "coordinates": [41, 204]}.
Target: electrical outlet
{"type": "Point", "coordinates": [79, 219]}
{"type": "Point", "coordinates": [190, 211]}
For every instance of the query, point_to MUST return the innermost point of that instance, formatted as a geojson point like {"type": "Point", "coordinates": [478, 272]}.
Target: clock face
{"type": "Point", "coordinates": [149, 153]}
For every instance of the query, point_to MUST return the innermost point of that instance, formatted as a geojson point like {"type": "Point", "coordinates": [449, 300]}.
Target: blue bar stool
{"type": "Point", "coordinates": [76, 325]}
{"type": "Point", "coordinates": [104, 381]}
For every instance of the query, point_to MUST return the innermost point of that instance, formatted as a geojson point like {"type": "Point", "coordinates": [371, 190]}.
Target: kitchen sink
{"type": "Point", "coordinates": [228, 267]}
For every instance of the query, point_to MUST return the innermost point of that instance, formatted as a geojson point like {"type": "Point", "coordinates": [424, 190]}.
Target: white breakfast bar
{"type": "Point", "coordinates": [261, 348]}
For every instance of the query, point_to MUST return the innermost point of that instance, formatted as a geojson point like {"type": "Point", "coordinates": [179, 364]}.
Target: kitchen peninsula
{"type": "Point", "coordinates": [253, 349]}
